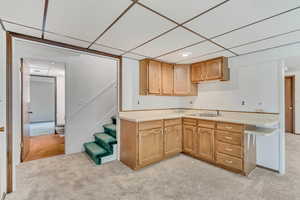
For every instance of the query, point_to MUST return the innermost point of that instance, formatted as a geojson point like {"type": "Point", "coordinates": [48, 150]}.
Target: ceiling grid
{"type": "Point", "coordinates": [211, 21]}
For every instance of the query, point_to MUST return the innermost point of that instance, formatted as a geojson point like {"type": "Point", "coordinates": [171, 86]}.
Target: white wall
{"type": "Point", "coordinates": [91, 97]}
{"type": "Point", "coordinates": [42, 99]}
{"type": "Point", "coordinates": [131, 98]}
{"type": "Point", "coordinates": [254, 84]}
{"type": "Point", "coordinates": [297, 99]}
{"type": "Point", "coordinates": [3, 160]}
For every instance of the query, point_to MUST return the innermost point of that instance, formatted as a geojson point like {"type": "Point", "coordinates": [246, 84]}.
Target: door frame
{"type": "Point", "coordinates": [293, 99]}
{"type": "Point", "coordinates": [9, 87]}
{"type": "Point", "coordinates": [55, 106]}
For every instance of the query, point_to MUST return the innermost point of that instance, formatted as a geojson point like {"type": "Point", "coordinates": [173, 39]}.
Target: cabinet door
{"type": "Point", "coordinates": [198, 72]}
{"type": "Point", "coordinates": [205, 144]}
{"type": "Point", "coordinates": [150, 146]}
{"type": "Point", "coordinates": [154, 79]}
{"type": "Point", "coordinates": [214, 69]}
{"type": "Point", "coordinates": [167, 79]}
{"type": "Point", "coordinates": [182, 81]}
{"type": "Point", "coordinates": [189, 133]}
{"type": "Point", "coordinates": [173, 140]}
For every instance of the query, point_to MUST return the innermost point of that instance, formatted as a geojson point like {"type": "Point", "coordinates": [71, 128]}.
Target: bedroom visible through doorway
{"type": "Point", "coordinates": [43, 102]}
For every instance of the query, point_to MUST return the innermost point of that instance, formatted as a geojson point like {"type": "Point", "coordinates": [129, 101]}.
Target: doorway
{"type": "Point", "coordinates": [290, 104]}
{"type": "Point", "coordinates": [41, 136]}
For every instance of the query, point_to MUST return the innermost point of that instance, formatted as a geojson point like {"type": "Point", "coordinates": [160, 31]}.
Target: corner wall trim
{"type": "Point", "coordinates": [3, 196]}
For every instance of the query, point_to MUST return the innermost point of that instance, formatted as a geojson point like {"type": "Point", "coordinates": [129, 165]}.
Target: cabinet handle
{"type": "Point", "coordinates": [228, 161]}
{"type": "Point", "coordinates": [228, 138]}
{"type": "Point", "coordinates": [228, 127]}
{"type": "Point", "coordinates": [228, 149]}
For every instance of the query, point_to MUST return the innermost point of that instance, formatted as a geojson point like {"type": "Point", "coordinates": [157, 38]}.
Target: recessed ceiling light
{"type": "Point", "coordinates": [52, 63]}
{"type": "Point", "coordinates": [186, 54]}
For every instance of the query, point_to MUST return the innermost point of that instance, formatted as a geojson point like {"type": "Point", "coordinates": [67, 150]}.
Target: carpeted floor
{"type": "Point", "coordinates": [44, 146]}
{"type": "Point", "coordinates": [75, 177]}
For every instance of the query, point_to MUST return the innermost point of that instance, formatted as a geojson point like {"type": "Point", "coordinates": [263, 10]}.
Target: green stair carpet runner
{"type": "Point", "coordinates": [95, 151]}
{"type": "Point", "coordinates": [114, 119]}
{"type": "Point", "coordinates": [105, 140]}
{"type": "Point", "coordinates": [110, 129]}
{"type": "Point", "coordinates": [103, 144]}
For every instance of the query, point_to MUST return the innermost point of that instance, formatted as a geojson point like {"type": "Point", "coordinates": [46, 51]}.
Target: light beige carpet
{"type": "Point", "coordinates": [74, 177]}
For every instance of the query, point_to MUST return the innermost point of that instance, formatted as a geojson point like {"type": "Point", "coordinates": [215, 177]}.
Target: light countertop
{"type": "Point", "coordinates": [255, 119]}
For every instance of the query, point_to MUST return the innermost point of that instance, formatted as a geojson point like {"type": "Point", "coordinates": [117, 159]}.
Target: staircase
{"type": "Point", "coordinates": [104, 148]}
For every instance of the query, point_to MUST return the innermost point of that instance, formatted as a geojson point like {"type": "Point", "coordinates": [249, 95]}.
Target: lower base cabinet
{"type": "Point", "coordinates": [172, 140]}
{"type": "Point", "coordinates": [205, 143]}
{"type": "Point", "coordinates": [148, 142]}
{"type": "Point", "coordinates": [150, 146]}
{"type": "Point", "coordinates": [219, 143]}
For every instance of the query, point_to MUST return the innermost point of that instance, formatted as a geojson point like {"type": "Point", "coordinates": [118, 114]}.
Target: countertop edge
{"type": "Point", "coordinates": [267, 124]}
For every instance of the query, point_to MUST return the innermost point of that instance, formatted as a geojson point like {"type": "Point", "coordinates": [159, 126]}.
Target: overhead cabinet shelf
{"type": "Point", "coordinates": [213, 69]}
{"type": "Point", "coordinates": [165, 79]}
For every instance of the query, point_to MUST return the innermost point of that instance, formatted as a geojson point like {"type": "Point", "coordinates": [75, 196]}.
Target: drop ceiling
{"type": "Point", "coordinates": [164, 30]}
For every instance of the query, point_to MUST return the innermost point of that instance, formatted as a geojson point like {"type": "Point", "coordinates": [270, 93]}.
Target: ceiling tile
{"type": "Point", "coordinates": [134, 56]}
{"type": "Point", "coordinates": [67, 40]}
{"type": "Point", "coordinates": [206, 57]}
{"type": "Point", "coordinates": [277, 25]}
{"type": "Point", "coordinates": [197, 50]}
{"type": "Point", "coordinates": [22, 30]}
{"type": "Point", "coordinates": [175, 39]}
{"type": "Point", "coordinates": [29, 12]}
{"type": "Point", "coordinates": [236, 13]}
{"type": "Point", "coordinates": [269, 43]}
{"type": "Point", "coordinates": [179, 10]}
{"type": "Point", "coordinates": [137, 26]}
{"type": "Point", "coordinates": [106, 49]}
{"type": "Point", "coordinates": [84, 20]}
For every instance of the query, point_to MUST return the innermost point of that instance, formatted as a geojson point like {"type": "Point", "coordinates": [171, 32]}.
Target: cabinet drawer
{"type": "Point", "coordinates": [229, 137]}
{"type": "Point", "coordinates": [230, 149]}
{"type": "Point", "coordinates": [206, 124]}
{"type": "Point", "coordinates": [150, 124]}
{"type": "Point", "coordinates": [230, 127]}
{"type": "Point", "coordinates": [229, 161]}
{"type": "Point", "coordinates": [171, 122]}
{"type": "Point", "coordinates": [189, 121]}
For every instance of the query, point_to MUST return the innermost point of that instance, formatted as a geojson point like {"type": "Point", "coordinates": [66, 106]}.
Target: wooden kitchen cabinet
{"type": "Point", "coordinates": [150, 77]}
{"type": "Point", "coordinates": [222, 144]}
{"type": "Point", "coordinates": [150, 146]}
{"type": "Point", "coordinates": [144, 143]}
{"type": "Point", "coordinates": [159, 78]}
{"type": "Point", "coordinates": [213, 69]}
{"type": "Point", "coordinates": [172, 137]}
{"type": "Point", "coordinates": [189, 136]}
{"type": "Point", "coordinates": [183, 85]}
{"type": "Point", "coordinates": [205, 143]}
{"type": "Point", "coordinates": [167, 79]}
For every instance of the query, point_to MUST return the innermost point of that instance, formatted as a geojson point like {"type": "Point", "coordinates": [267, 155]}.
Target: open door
{"type": "Point", "coordinates": [25, 93]}
{"type": "Point", "coordinates": [289, 104]}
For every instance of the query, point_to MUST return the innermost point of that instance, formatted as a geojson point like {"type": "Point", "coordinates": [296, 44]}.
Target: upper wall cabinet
{"type": "Point", "coordinates": [182, 81]}
{"type": "Point", "coordinates": [150, 77]}
{"type": "Point", "coordinates": [167, 79]}
{"type": "Point", "coordinates": [158, 78]}
{"type": "Point", "coordinates": [213, 69]}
